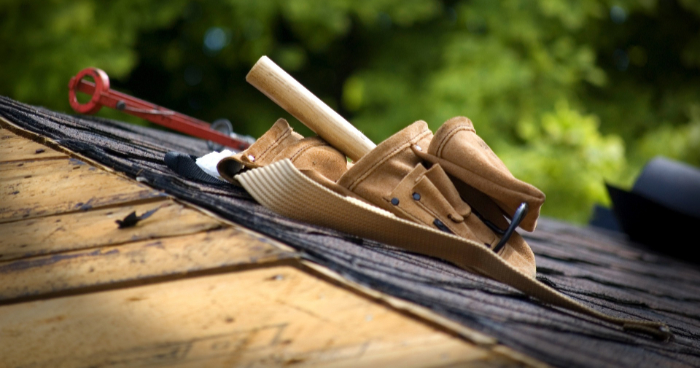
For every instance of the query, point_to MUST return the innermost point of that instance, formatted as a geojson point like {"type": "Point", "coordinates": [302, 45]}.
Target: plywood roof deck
{"type": "Point", "coordinates": [193, 284]}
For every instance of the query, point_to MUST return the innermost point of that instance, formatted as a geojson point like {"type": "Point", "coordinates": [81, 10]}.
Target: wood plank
{"type": "Point", "coordinates": [41, 188]}
{"type": "Point", "coordinates": [16, 148]}
{"type": "Point", "coordinates": [262, 317]}
{"type": "Point", "coordinates": [111, 266]}
{"type": "Point", "coordinates": [81, 230]}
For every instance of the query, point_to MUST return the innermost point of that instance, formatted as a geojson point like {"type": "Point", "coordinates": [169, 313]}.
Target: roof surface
{"type": "Point", "coordinates": [182, 286]}
{"type": "Point", "coordinates": [600, 269]}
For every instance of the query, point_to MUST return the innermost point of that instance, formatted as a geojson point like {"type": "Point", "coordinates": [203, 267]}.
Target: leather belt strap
{"type": "Point", "coordinates": [284, 189]}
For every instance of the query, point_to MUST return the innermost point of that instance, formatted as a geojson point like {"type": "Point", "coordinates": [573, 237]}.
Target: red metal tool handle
{"type": "Point", "coordinates": [100, 86]}
{"type": "Point", "coordinates": [103, 96]}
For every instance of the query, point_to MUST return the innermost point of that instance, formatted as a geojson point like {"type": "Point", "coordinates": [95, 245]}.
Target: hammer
{"type": "Point", "coordinates": [289, 94]}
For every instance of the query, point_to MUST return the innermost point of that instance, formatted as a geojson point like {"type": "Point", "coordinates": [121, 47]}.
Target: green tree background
{"type": "Point", "coordinates": [569, 94]}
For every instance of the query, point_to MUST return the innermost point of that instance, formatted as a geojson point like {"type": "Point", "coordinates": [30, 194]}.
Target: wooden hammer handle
{"type": "Point", "coordinates": [280, 87]}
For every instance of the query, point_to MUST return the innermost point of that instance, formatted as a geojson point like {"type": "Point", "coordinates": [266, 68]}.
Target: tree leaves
{"type": "Point", "coordinates": [570, 94]}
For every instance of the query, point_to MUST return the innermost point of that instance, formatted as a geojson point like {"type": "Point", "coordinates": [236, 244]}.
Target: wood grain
{"type": "Point", "coordinates": [32, 189]}
{"type": "Point", "coordinates": [263, 317]}
{"type": "Point", "coordinates": [289, 94]}
{"type": "Point", "coordinates": [82, 230]}
{"type": "Point", "coordinates": [110, 266]}
{"type": "Point", "coordinates": [16, 148]}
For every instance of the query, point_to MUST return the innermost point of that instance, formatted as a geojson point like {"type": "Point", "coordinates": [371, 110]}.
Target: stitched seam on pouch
{"type": "Point", "coordinates": [431, 212]}
{"type": "Point", "coordinates": [276, 143]}
{"type": "Point", "coordinates": [450, 135]}
{"type": "Point", "coordinates": [391, 154]}
{"type": "Point", "coordinates": [506, 188]}
{"type": "Point", "coordinates": [296, 154]}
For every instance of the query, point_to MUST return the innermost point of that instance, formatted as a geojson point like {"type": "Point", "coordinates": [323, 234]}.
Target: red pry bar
{"type": "Point", "coordinates": [103, 96]}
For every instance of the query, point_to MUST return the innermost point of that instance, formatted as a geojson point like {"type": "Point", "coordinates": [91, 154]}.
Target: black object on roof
{"type": "Point", "coordinates": [662, 209]}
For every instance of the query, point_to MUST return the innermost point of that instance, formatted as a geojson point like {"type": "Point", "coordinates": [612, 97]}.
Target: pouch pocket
{"type": "Point", "coordinates": [428, 197]}
{"type": "Point", "coordinates": [280, 142]}
{"type": "Point", "coordinates": [465, 156]}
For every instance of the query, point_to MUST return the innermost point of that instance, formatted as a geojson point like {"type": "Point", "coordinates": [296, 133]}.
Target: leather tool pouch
{"type": "Point", "coordinates": [280, 142]}
{"type": "Point", "coordinates": [395, 177]}
{"type": "Point", "coordinates": [464, 155]}
{"type": "Point", "coordinates": [417, 177]}
{"type": "Point", "coordinates": [451, 182]}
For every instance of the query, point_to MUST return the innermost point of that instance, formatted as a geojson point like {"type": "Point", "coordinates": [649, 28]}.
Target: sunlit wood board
{"type": "Point", "coordinates": [32, 189]}
{"type": "Point", "coordinates": [89, 229]}
{"type": "Point", "coordinates": [262, 317]}
{"type": "Point", "coordinates": [134, 262]}
{"type": "Point", "coordinates": [16, 148]}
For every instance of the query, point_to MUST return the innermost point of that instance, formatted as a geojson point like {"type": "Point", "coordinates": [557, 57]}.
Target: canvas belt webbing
{"type": "Point", "coordinates": [284, 189]}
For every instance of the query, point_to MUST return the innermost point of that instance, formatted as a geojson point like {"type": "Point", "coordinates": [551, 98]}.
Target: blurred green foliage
{"type": "Point", "coordinates": [569, 94]}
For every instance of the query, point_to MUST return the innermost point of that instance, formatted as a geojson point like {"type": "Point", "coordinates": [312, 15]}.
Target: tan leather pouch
{"type": "Point", "coordinates": [376, 174]}
{"type": "Point", "coordinates": [393, 177]}
{"type": "Point", "coordinates": [280, 142]}
{"type": "Point", "coordinates": [405, 176]}
{"type": "Point", "coordinates": [465, 156]}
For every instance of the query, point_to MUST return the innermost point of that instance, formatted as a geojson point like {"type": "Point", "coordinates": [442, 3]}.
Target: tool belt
{"type": "Point", "coordinates": [445, 195]}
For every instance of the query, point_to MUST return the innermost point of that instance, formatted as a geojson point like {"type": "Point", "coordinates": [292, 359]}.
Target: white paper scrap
{"type": "Point", "coordinates": [209, 161]}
